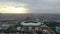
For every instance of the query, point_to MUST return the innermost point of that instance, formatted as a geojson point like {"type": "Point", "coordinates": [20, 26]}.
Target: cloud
{"type": "Point", "coordinates": [38, 6]}
{"type": "Point", "coordinates": [8, 7]}
{"type": "Point", "coordinates": [46, 4]}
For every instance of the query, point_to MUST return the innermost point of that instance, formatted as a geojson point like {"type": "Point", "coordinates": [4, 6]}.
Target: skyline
{"type": "Point", "coordinates": [31, 6]}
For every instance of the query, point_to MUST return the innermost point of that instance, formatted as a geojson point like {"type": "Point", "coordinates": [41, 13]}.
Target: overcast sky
{"type": "Point", "coordinates": [34, 6]}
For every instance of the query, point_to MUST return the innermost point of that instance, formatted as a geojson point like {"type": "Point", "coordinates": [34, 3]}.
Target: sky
{"type": "Point", "coordinates": [30, 6]}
